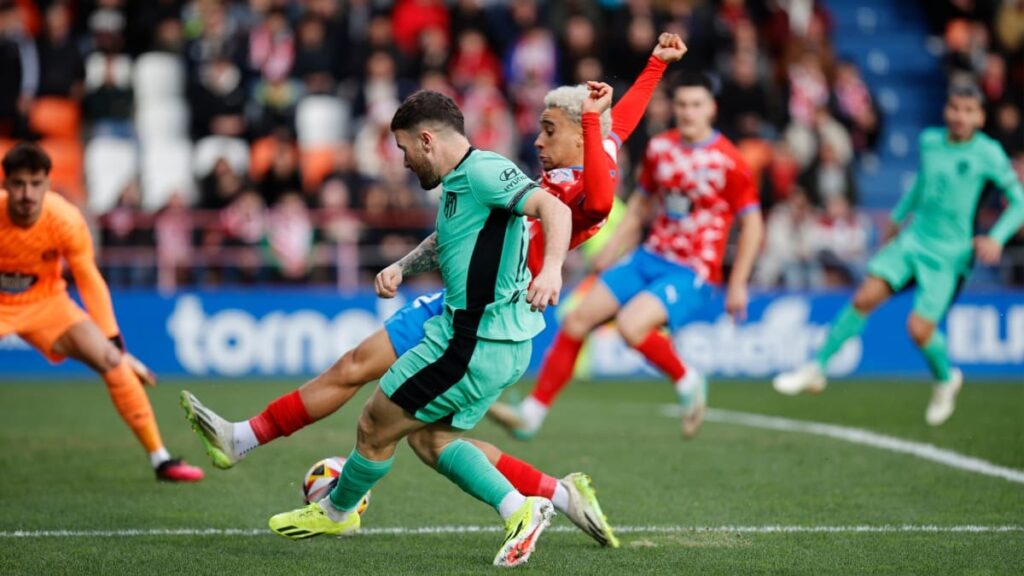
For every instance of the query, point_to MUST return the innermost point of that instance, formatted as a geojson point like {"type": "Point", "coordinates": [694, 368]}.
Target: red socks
{"type": "Point", "coordinates": [557, 369]}
{"type": "Point", "coordinates": [282, 417]}
{"type": "Point", "coordinates": [658, 349]}
{"type": "Point", "coordinates": [525, 478]}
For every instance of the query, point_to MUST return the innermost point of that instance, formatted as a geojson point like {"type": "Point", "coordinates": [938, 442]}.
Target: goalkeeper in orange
{"type": "Point", "coordinates": [39, 229]}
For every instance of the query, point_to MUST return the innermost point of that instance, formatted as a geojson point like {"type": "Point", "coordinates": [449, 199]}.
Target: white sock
{"type": "Point", "coordinates": [333, 512]}
{"type": "Point", "coordinates": [510, 503]}
{"type": "Point", "coordinates": [688, 383]}
{"type": "Point", "coordinates": [158, 457]}
{"type": "Point", "coordinates": [243, 438]}
{"type": "Point", "coordinates": [561, 497]}
{"type": "Point", "coordinates": [532, 412]}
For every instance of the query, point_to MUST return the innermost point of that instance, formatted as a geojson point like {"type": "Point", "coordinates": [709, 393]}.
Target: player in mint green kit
{"type": "Point", "coordinates": [935, 251]}
{"type": "Point", "coordinates": [480, 344]}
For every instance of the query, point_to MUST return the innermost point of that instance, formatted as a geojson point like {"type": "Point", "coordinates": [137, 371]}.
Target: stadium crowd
{"type": "Point", "coordinates": [221, 141]}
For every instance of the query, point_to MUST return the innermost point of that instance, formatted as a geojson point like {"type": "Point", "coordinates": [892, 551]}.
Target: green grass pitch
{"type": "Point", "coordinates": [68, 463]}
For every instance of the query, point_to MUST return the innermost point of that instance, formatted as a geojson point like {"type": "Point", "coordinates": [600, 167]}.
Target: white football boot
{"type": "Point", "coordinates": [944, 398]}
{"type": "Point", "coordinates": [808, 378]}
{"type": "Point", "coordinates": [216, 433]}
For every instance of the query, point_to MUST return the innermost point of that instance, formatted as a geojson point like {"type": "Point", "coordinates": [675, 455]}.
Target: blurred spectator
{"type": "Point", "coordinates": [808, 88]}
{"type": "Point", "coordinates": [489, 123]}
{"type": "Point", "coordinates": [109, 99]}
{"type": "Point", "coordinates": [283, 178]}
{"type": "Point", "coordinates": [124, 230]}
{"type": "Point", "coordinates": [220, 187]}
{"type": "Point", "coordinates": [805, 140]}
{"type": "Point", "coordinates": [233, 251]}
{"type": "Point", "coordinates": [173, 237]}
{"type": "Point", "coordinates": [1007, 127]}
{"type": "Point", "coordinates": [746, 104]}
{"type": "Point", "coordinates": [472, 59]}
{"type": "Point", "coordinates": [854, 107]}
{"type": "Point", "coordinates": [19, 75]}
{"type": "Point", "coordinates": [1010, 25]}
{"type": "Point", "coordinates": [290, 238]}
{"type": "Point", "coordinates": [411, 17]}
{"type": "Point", "coordinates": [61, 68]}
{"type": "Point", "coordinates": [272, 46]}
{"type": "Point", "coordinates": [218, 100]}
{"type": "Point", "coordinates": [841, 243]}
{"type": "Point", "coordinates": [315, 59]}
{"type": "Point", "coordinates": [788, 257]}
{"type": "Point", "coordinates": [579, 42]}
{"type": "Point", "coordinates": [828, 177]}
{"type": "Point", "coordinates": [434, 52]}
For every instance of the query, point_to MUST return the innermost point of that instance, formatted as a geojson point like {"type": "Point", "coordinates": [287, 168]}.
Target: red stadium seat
{"type": "Point", "coordinates": [53, 117]}
{"type": "Point", "coordinates": [315, 165]}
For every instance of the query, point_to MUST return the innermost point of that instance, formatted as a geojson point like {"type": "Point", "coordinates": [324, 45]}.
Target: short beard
{"type": "Point", "coordinates": [429, 180]}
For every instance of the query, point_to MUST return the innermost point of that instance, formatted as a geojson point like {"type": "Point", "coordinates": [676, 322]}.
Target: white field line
{"type": "Point", "coordinates": [863, 437]}
{"type": "Point", "coordinates": [444, 530]}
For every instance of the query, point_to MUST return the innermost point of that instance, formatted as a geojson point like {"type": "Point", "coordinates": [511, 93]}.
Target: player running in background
{"type": "Point", "coordinates": [578, 152]}
{"type": "Point", "coordinates": [935, 251]}
{"type": "Point", "coordinates": [693, 183]}
{"type": "Point", "coordinates": [479, 345]}
{"type": "Point", "coordinates": [39, 229]}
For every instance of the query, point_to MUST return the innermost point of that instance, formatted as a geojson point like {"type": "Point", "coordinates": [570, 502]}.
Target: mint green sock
{"type": "Point", "coordinates": [466, 466]}
{"type": "Point", "coordinates": [357, 477]}
{"type": "Point", "coordinates": [848, 324]}
{"type": "Point", "coordinates": [935, 354]}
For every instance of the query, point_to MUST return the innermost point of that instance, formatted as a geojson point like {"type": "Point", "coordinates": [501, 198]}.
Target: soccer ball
{"type": "Point", "coordinates": [322, 477]}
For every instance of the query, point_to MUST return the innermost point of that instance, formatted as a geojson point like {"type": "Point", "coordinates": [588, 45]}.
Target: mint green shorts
{"type": "Point", "coordinates": [937, 282]}
{"type": "Point", "coordinates": [454, 378]}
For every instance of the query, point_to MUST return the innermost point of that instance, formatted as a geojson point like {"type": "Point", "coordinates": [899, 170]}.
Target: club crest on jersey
{"type": "Point", "coordinates": [451, 203]}
{"type": "Point", "coordinates": [50, 255]}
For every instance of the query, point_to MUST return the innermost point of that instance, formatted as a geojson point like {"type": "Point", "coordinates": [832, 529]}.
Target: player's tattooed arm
{"type": "Point", "coordinates": [423, 258]}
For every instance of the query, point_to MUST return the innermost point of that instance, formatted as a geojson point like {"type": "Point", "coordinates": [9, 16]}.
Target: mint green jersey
{"type": "Point", "coordinates": [482, 248]}
{"type": "Point", "coordinates": [946, 193]}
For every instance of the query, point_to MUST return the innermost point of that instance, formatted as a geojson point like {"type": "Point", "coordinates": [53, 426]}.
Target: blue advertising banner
{"type": "Point", "coordinates": [301, 332]}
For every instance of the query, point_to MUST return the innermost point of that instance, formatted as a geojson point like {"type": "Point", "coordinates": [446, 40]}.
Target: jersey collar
{"type": "Point", "coordinates": [703, 143]}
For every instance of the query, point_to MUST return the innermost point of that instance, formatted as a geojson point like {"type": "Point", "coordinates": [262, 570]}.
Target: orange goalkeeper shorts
{"type": "Point", "coordinates": [42, 323]}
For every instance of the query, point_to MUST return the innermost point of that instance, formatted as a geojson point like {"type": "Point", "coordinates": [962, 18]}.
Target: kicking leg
{"type": "Point", "coordinates": [573, 495]}
{"type": "Point", "coordinates": [382, 424]}
{"type": "Point", "coordinates": [466, 465]}
{"type": "Point", "coordinates": [86, 343]}
{"type": "Point", "coordinates": [228, 442]}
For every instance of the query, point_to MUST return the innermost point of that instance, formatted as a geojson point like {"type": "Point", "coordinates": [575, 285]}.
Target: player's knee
{"type": "Point", "coordinates": [920, 330]}
{"type": "Point", "coordinates": [367, 435]}
{"type": "Point", "coordinates": [864, 301]}
{"type": "Point", "coordinates": [346, 371]}
{"type": "Point", "coordinates": [108, 359]}
{"type": "Point", "coordinates": [576, 324]}
{"type": "Point", "coordinates": [631, 330]}
{"type": "Point", "coordinates": [422, 444]}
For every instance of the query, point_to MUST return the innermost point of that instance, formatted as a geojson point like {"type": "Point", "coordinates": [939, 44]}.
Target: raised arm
{"type": "Point", "coordinates": [598, 165]}
{"type": "Point", "coordinates": [556, 222]}
{"type": "Point", "coordinates": [626, 115]}
{"type": "Point", "coordinates": [423, 258]}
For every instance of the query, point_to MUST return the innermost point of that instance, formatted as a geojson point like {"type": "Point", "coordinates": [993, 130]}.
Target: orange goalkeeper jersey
{"type": "Point", "coordinates": [31, 260]}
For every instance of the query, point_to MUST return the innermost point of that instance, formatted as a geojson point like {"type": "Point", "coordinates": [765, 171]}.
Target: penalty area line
{"type": "Point", "coordinates": [863, 437]}
{"type": "Point", "coordinates": [447, 530]}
